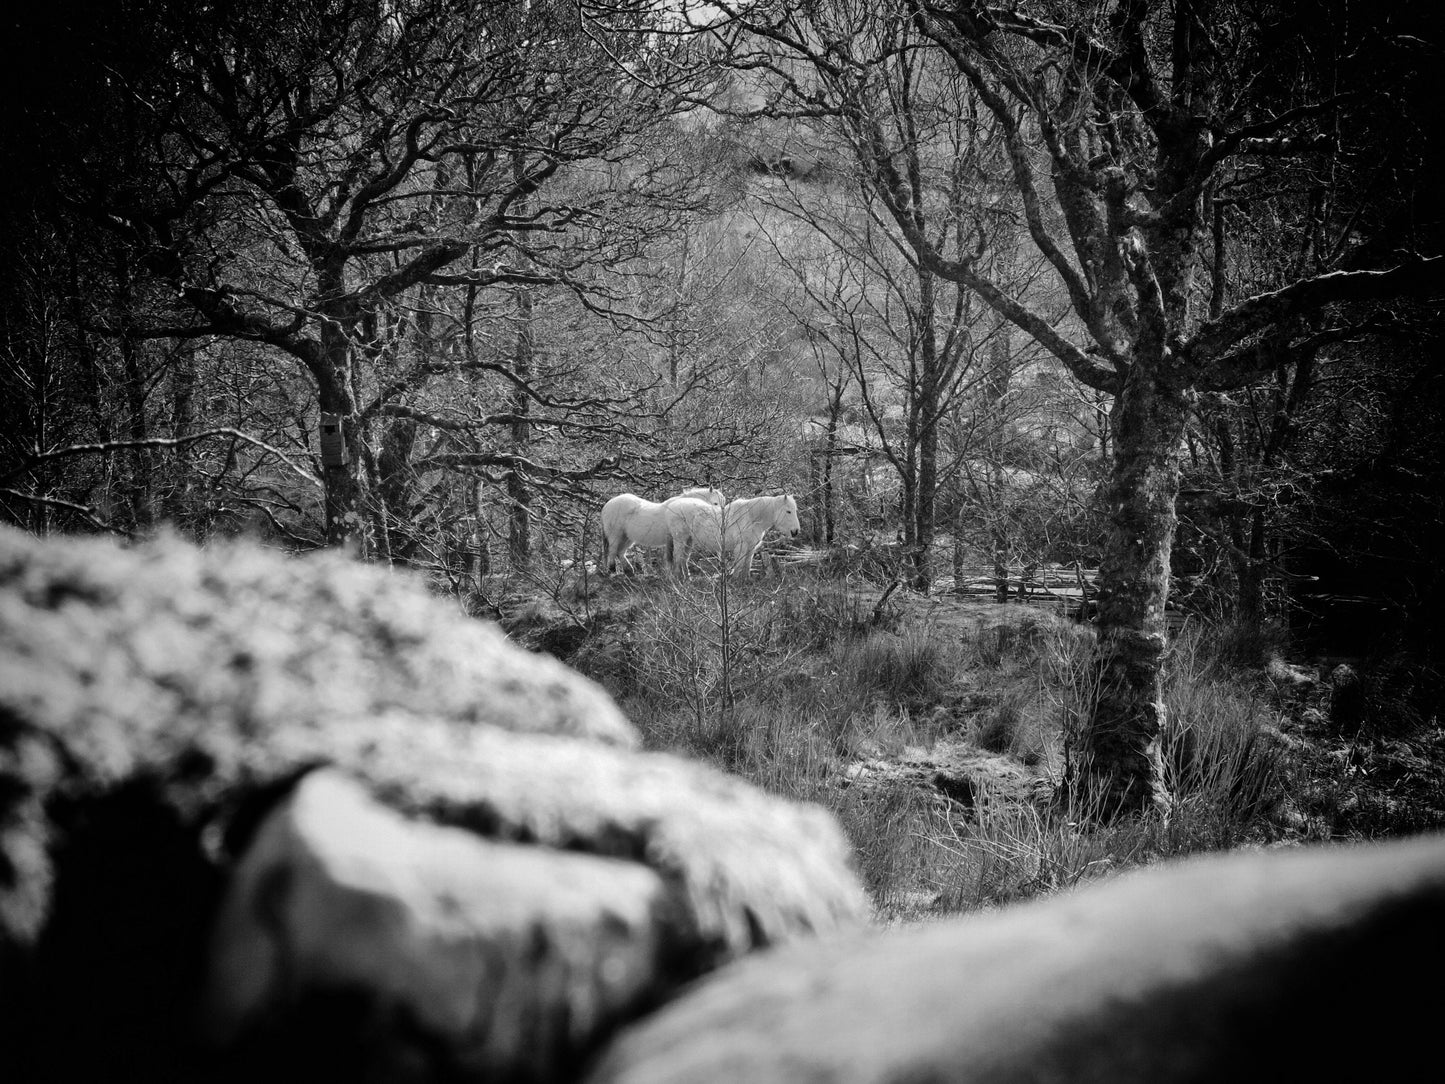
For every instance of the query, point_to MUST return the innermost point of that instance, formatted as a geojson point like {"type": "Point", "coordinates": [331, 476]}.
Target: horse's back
{"type": "Point", "coordinates": [620, 506]}
{"type": "Point", "coordinates": [701, 493]}
{"type": "Point", "coordinates": [616, 514]}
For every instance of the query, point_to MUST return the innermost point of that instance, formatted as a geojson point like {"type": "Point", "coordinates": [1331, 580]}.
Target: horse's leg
{"type": "Point", "coordinates": [753, 552]}
{"type": "Point", "coordinates": [742, 564]}
{"type": "Point", "coordinates": [745, 566]}
{"type": "Point", "coordinates": [615, 547]}
{"type": "Point", "coordinates": [674, 547]}
{"type": "Point", "coordinates": [676, 556]}
{"type": "Point", "coordinates": [731, 561]}
{"type": "Point", "coordinates": [684, 557]}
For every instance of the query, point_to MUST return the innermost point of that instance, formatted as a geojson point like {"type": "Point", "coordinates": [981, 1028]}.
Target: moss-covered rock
{"type": "Point", "coordinates": [158, 705]}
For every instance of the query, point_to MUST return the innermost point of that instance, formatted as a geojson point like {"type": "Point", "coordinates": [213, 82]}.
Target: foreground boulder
{"type": "Point", "coordinates": [1318, 965]}
{"type": "Point", "coordinates": [496, 955]}
{"type": "Point", "coordinates": [263, 817]}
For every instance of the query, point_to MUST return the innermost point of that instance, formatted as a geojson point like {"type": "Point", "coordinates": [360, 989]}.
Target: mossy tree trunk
{"type": "Point", "coordinates": [1120, 766]}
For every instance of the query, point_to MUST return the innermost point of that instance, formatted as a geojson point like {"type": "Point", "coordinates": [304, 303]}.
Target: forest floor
{"type": "Point", "coordinates": [937, 728]}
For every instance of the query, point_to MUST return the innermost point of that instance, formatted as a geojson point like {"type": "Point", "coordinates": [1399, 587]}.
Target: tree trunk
{"type": "Point", "coordinates": [396, 480]}
{"type": "Point", "coordinates": [924, 510]}
{"type": "Point", "coordinates": [519, 495]}
{"type": "Point", "coordinates": [815, 487]}
{"type": "Point", "coordinates": [830, 454]}
{"type": "Point", "coordinates": [923, 456]}
{"type": "Point", "coordinates": [998, 530]}
{"type": "Point", "coordinates": [675, 331]}
{"type": "Point", "coordinates": [183, 420]}
{"type": "Point", "coordinates": [1119, 768]}
{"type": "Point", "coordinates": [395, 485]}
{"type": "Point", "coordinates": [344, 527]}
{"type": "Point", "coordinates": [341, 460]}
{"type": "Point", "coordinates": [140, 486]}
{"type": "Point", "coordinates": [1000, 569]}
{"type": "Point", "coordinates": [379, 517]}
{"type": "Point", "coordinates": [479, 556]}
{"type": "Point", "coordinates": [908, 564]}
{"type": "Point", "coordinates": [960, 571]}
{"type": "Point", "coordinates": [1251, 584]}
{"type": "Point", "coordinates": [341, 453]}
{"type": "Point", "coordinates": [996, 387]}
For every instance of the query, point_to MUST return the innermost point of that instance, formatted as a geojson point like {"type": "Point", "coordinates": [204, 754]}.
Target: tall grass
{"type": "Point", "coordinates": [912, 668]}
{"type": "Point", "coordinates": [1220, 766]}
{"type": "Point", "coordinates": [795, 686]}
{"type": "Point", "coordinates": [895, 831]}
{"type": "Point", "coordinates": [1010, 851]}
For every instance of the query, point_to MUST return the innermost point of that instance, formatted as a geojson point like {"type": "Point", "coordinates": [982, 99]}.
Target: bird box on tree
{"type": "Point", "coordinates": [333, 444]}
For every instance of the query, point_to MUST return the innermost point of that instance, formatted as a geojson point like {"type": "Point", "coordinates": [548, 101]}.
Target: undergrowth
{"type": "Point", "coordinates": [800, 685]}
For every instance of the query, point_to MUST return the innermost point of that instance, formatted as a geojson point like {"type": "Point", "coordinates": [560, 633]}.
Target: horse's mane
{"type": "Point", "coordinates": [770, 498]}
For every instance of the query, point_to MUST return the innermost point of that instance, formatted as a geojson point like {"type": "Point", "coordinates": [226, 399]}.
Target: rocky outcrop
{"type": "Point", "coordinates": [485, 830]}
{"type": "Point", "coordinates": [1315, 965]}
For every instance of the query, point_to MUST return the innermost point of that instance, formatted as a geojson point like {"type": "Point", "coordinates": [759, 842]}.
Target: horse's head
{"type": "Point", "coordinates": [787, 520]}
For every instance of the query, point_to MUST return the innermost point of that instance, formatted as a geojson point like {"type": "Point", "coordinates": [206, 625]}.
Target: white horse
{"type": "Point", "coordinates": [629, 520]}
{"type": "Point", "coordinates": [736, 529]}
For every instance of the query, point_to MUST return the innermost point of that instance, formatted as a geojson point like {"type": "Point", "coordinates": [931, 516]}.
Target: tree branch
{"type": "Point", "coordinates": [1212, 341]}
{"type": "Point", "coordinates": [39, 458]}
{"type": "Point", "coordinates": [85, 512]}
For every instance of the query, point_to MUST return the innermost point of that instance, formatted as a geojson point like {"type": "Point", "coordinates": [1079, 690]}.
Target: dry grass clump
{"type": "Point", "coordinates": [914, 667]}
{"type": "Point", "coordinates": [1016, 724]}
{"type": "Point", "coordinates": [894, 830]}
{"type": "Point", "coordinates": [814, 614]}
{"type": "Point", "coordinates": [1006, 644]}
{"type": "Point", "coordinates": [1220, 764]}
{"type": "Point", "coordinates": [1010, 851]}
